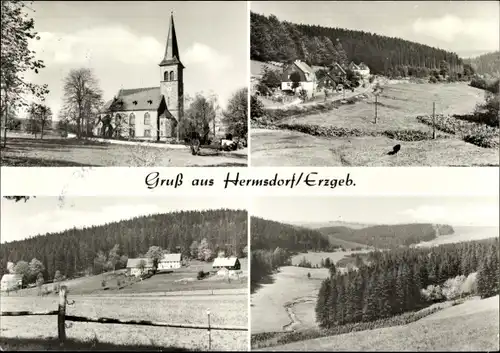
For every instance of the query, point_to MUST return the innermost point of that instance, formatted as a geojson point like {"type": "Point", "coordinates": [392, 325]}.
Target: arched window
{"type": "Point", "coordinates": [165, 76]}
{"type": "Point", "coordinates": [132, 119]}
{"type": "Point", "coordinates": [147, 120]}
{"type": "Point", "coordinates": [171, 75]}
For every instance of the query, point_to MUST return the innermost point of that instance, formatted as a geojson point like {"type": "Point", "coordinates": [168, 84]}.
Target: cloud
{"type": "Point", "coordinates": [114, 43]}
{"type": "Point", "coordinates": [467, 32]}
{"type": "Point", "coordinates": [210, 58]}
{"type": "Point", "coordinates": [478, 215]}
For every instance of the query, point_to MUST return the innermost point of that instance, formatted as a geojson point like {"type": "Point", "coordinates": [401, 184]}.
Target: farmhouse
{"type": "Point", "coordinates": [151, 113]}
{"type": "Point", "coordinates": [361, 69]}
{"type": "Point", "coordinates": [134, 266]}
{"type": "Point", "coordinates": [170, 262]}
{"type": "Point", "coordinates": [225, 264]}
{"type": "Point", "coordinates": [11, 281]}
{"type": "Point", "coordinates": [334, 75]}
{"type": "Point", "coordinates": [305, 75]}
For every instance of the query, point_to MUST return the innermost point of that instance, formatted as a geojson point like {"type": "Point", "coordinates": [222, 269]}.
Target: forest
{"type": "Point", "coordinates": [389, 236]}
{"type": "Point", "coordinates": [282, 41]}
{"type": "Point", "coordinates": [391, 282]}
{"type": "Point", "coordinates": [73, 252]}
{"type": "Point", "coordinates": [486, 64]}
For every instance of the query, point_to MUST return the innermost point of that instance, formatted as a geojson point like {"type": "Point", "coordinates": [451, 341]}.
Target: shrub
{"type": "Point", "coordinates": [201, 275]}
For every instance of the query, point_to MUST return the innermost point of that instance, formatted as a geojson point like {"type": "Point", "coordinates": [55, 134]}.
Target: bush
{"type": "Point", "coordinates": [433, 79]}
{"type": "Point", "coordinates": [201, 275]}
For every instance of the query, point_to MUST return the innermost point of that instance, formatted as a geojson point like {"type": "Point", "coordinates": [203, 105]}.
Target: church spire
{"type": "Point", "coordinates": [172, 49]}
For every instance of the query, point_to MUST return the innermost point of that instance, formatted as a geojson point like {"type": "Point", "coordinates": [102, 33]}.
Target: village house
{"type": "Point", "coordinates": [362, 69]}
{"type": "Point", "coordinates": [134, 266]}
{"type": "Point", "coordinates": [149, 113]}
{"type": "Point", "coordinates": [305, 72]}
{"type": "Point", "coordinates": [224, 265]}
{"type": "Point", "coordinates": [333, 76]}
{"type": "Point", "coordinates": [170, 262]}
{"type": "Point", "coordinates": [10, 282]}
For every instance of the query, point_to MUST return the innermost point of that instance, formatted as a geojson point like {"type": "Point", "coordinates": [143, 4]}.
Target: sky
{"type": "Point", "coordinates": [455, 211]}
{"type": "Point", "coordinates": [42, 215]}
{"type": "Point", "coordinates": [469, 28]}
{"type": "Point", "coordinates": [124, 41]}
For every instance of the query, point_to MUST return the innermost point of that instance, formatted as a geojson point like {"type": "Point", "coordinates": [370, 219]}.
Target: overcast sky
{"type": "Point", "coordinates": [456, 211]}
{"type": "Point", "coordinates": [48, 214]}
{"type": "Point", "coordinates": [465, 27]}
{"type": "Point", "coordinates": [124, 41]}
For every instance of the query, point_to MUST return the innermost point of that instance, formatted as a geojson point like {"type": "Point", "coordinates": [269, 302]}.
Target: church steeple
{"type": "Point", "coordinates": [172, 49]}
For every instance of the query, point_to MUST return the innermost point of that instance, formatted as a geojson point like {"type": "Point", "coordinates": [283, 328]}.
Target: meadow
{"type": "Point", "coordinates": [471, 326]}
{"type": "Point", "coordinates": [347, 135]}
{"type": "Point", "coordinates": [26, 151]}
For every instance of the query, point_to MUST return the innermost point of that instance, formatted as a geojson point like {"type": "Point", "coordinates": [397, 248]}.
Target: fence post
{"type": "Point", "coordinates": [61, 330]}
{"type": "Point", "coordinates": [433, 120]}
{"type": "Point", "coordinates": [209, 331]}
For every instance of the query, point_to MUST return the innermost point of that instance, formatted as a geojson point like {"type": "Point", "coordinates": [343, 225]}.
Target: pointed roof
{"type": "Point", "coordinates": [172, 49]}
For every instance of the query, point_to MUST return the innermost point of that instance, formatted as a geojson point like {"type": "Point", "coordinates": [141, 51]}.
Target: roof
{"type": "Point", "coordinates": [363, 66]}
{"type": "Point", "coordinates": [304, 67]}
{"type": "Point", "coordinates": [135, 99]}
{"type": "Point", "coordinates": [134, 263]}
{"type": "Point", "coordinates": [11, 278]}
{"type": "Point", "coordinates": [336, 65]}
{"type": "Point", "coordinates": [171, 257]}
{"type": "Point", "coordinates": [172, 48]}
{"type": "Point", "coordinates": [224, 261]}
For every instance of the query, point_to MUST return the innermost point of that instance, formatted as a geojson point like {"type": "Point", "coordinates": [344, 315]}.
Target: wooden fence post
{"type": "Point", "coordinates": [376, 103]}
{"type": "Point", "coordinates": [61, 329]}
{"type": "Point", "coordinates": [433, 120]}
{"type": "Point", "coordinates": [209, 332]}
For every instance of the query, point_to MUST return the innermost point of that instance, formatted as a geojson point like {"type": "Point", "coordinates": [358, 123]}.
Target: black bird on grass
{"type": "Point", "coordinates": [395, 150]}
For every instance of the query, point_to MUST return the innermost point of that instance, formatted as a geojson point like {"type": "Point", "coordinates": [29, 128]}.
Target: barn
{"type": "Point", "coordinates": [134, 266]}
{"type": "Point", "coordinates": [10, 282]}
{"type": "Point", "coordinates": [170, 262]}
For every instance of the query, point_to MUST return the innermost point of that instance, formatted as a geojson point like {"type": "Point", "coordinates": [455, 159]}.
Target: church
{"type": "Point", "coordinates": [149, 113]}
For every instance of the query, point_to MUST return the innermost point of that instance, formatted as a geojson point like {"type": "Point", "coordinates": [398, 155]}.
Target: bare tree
{"type": "Point", "coordinates": [82, 97]}
{"type": "Point", "coordinates": [40, 116]}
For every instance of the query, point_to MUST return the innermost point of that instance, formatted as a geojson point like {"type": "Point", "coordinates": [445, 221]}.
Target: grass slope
{"type": "Point", "coordinates": [472, 326]}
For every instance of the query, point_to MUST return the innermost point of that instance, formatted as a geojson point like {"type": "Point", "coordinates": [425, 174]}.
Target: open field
{"type": "Point", "coordinates": [464, 234]}
{"type": "Point", "coordinates": [472, 326]}
{"type": "Point", "coordinates": [183, 279]}
{"type": "Point", "coordinates": [290, 284]}
{"type": "Point", "coordinates": [294, 149]}
{"type": "Point", "coordinates": [28, 152]}
{"type": "Point", "coordinates": [186, 309]}
{"type": "Point", "coordinates": [315, 257]}
{"type": "Point", "coordinates": [399, 106]}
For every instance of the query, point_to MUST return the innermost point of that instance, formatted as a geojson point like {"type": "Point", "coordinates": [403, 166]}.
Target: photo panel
{"type": "Point", "coordinates": [375, 273]}
{"type": "Point", "coordinates": [124, 273]}
{"type": "Point", "coordinates": [127, 84]}
{"type": "Point", "coordinates": [369, 83]}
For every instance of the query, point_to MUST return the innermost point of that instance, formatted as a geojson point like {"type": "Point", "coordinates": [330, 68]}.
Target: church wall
{"type": "Point", "coordinates": [140, 128]}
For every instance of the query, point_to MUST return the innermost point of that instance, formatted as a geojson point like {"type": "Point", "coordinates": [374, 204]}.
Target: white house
{"type": "Point", "coordinates": [225, 265]}
{"type": "Point", "coordinates": [362, 69]}
{"type": "Point", "coordinates": [134, 266]}
{"type": "Point", "coordinates": [305, 74]}
{"type": "Point", "coordinates": [170, 262]}
{"type": "Point", "coordinates": [11, 281]}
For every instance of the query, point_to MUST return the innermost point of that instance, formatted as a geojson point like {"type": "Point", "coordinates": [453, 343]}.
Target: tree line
{"type": "Point", "coordinates": [282, 41]}
{"type": "Point", "coordinates": [75, 252]}
{"type": "Point", "coordinates": [391, 282]}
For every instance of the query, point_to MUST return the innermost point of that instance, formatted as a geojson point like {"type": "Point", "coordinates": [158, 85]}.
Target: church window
{"type": "Point", "coordinates": [147, 133]}
{"type": "Point", "coordinates": [147, 119]}
{"type": "Point", "coordinates": [171, 75]}
{"type": "Point", "coordinates": [132, 119]}
{"type": "Point", "coordinates": [165, 76]}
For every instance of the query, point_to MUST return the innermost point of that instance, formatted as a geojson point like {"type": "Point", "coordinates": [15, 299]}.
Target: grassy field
{"type": "Point", "coordinates": [290, 284]}
{"type": "Point", "coordinates": [399, 106]}
{"type": "Point", "coordinates": [472, 326]}
{"type": "Point", "coordinates": [294, 149]}
{"type": "Point", "coordinates": [29, 152]}
{"type": "Point", "coordinates": [186, 309]}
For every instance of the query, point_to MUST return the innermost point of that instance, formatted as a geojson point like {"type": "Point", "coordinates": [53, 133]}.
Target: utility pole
{"type": "Point", "coordinates": [376, 111]}
{"type": "Point", "coordinates": [433, 120]}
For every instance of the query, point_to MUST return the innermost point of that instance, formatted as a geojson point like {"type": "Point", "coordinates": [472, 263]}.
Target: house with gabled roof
{"type": "Point", "coordinates": [224, 265]}
{"type": "Point", "coordinates": [170, 262]}
{"type": "Point", "coordinates": [332, 76]}
{"type": "Point", "coordinates": [139, 266]}
{"type": "Point", "coordinates": [361, 69]}
{"type": "Point", "coordinates": [307, 77]}
{"type": "Point", "coordinates": [150, 113]}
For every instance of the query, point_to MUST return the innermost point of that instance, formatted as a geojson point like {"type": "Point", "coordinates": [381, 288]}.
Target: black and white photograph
{"type": "Point", "coordinates": [356, 273]}
{"type": "Point", "coordinates": [374, 83]}
{"type": "Point", "coordinates": [124, 273]}
{"type": "Point", "coordinates": [124, 83]}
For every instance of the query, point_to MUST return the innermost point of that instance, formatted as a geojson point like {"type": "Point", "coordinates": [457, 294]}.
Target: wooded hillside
{"type": "Point", "coordinates": [486, 64]}
{"type": "Point", "coordinates": [73, 251]}
{"type": "Point", "coordinates": [275, 40]}
{"type": "Point", "coordinates": [388, 236]}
